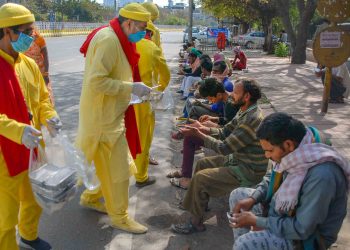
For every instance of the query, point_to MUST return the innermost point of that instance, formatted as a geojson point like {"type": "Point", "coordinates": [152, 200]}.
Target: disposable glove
{"type": "Point", "coordinates": [53, 126]}
{"type": "Point", "coordinates": [140, 89]}
{"type": "Point", "coordinates": [31, 137]}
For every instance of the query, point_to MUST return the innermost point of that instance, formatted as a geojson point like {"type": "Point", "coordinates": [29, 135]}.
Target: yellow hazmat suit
{"type": "Point", "coordinates": [150, 59]}
{"type": "Point", "coordinates": [153, 9]}
{"type": "Point", "coordinates": [17, 203]}
{"type": "Point", "coordinates": [104, 99]}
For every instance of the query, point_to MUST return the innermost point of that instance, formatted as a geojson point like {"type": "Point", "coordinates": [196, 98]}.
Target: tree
{"type": "Point", "coordinates": [297, 32]}
{"type": "Point", "coordinates": [246, 11]}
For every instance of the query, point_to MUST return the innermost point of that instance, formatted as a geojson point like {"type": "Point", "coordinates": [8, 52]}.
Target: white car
{"type": "Point", "coordinates": [196, 33]}
{"type": "Point", "coordinates": [252, 40]}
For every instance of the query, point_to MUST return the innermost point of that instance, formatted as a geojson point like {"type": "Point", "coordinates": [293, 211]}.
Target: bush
{"type": "Point", "coordinates": [281, 50]}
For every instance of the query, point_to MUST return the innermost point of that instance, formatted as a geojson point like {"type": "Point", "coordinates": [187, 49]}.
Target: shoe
{"type": "Point", "coordinates": [151, 180]}
{"type": "Point", "coordinates": [180, 92]}
{"type": "Point", "coordinates": [183, 98]}
{"type": "Point", "coordinates": [37, 244]}
{"type": "Point", "coordinates": [131, 226]}
{"type": "Point", "coordinates": [153, 161]}
{"type": "Point", "coordinates": [97, 206]}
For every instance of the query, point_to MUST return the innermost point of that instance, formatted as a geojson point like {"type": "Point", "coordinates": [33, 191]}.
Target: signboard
{"type": "Point", "coordinates": [331, 46]}
{"type": "Point", "coordinates": [213, 32]}
{"type": "Point", "coordinates": [330, 39]}
{"type": "Point", "coordinates": [334, 10]}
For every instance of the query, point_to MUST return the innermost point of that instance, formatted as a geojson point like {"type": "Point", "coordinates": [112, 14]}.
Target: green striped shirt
{"type": "Point", "coordinates": [238, 140]}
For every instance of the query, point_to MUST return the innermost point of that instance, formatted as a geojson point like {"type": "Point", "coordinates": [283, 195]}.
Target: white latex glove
{"type": "Point", "coordinates": [53, 126]}
{"type": "Point", "coordinates": [140, 89]}
{"type": "Point", "coordinates": [31, 137]}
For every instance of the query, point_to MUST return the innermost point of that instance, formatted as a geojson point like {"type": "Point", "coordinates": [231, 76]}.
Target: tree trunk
{"type": "Point", "coordinates": [298, 39]}
{"type": "Point", "coordinates": [244, 27]}
{"type": "Point", "coordinates": [267, 28]}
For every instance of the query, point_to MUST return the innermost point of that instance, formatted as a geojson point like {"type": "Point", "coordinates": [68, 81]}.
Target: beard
{"type": "Point", "coordinates": [239, 102]}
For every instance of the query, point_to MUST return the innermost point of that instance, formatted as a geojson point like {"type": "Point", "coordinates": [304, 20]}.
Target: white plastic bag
{"type": "Point", "coordinates": [52, 185]}
{"type": "Point", "coordinates": [164, 101]}
{"type": "Point", "coordinates": [75, 158]}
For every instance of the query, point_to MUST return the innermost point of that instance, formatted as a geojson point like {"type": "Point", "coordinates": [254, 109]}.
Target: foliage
{"type": "Point", "coordinates": [281, 50]}
{"type": "Point", "coordinates": [69, 10]}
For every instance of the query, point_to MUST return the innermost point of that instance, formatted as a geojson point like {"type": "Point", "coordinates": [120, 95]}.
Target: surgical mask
{"type": "Point", "coordinates": [134, 38]}
{"type": "Point", "coordinates": [23, 43]}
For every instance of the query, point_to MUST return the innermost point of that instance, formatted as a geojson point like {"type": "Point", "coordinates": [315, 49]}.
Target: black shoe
{"type": "Point", "coordinates": [151, 180]}
{"type": "Point", "coordinates": [180, 92]}
{"type": "Point", "coordinates": [37, 244]}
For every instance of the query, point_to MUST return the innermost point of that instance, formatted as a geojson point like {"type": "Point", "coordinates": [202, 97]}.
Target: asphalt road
{"type": "Point", "coordinates": [75, 228]}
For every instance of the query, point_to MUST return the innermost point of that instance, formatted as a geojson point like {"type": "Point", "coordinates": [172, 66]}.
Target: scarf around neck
{"type": "Point", "coordinates": [133, 57]}
{"type": "Point", "coordinates": [12, 104]}
{"type": "Point", "coordinates": [297, 164]}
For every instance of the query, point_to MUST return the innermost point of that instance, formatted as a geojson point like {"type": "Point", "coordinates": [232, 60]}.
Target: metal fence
{"type": "Point", "coordinates": [65, 28]}
{"type": "Point", "coordinates": [49, 29]}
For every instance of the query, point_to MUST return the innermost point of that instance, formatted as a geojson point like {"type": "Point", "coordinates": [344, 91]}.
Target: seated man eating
{"type": "Point", "coordinates": [218, 175]}
{"type": "Point", "coordinates": [210, 88]}
{"type": "Point", "coordinates": [301, 204]}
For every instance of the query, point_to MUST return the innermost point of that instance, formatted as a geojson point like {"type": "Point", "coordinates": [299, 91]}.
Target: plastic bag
{"type": "Point", "coordinates": [163, 101]}
{"type": "Point", "coordinates": [52, 185]}
{"type": "Point", "coordinates": [75, 158]}
{"type": "Point", "coordinates": [55, 170]}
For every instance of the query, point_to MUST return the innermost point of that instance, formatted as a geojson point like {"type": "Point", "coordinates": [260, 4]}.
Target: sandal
{"type": "Point", "coordinates": [174, 174]}
{"type": "Point", "coordinates": [186, 228]}
{"type": "Point", "coordinates": [177, 136]}
{"type": "Point", "coordinates": [176, 183]}
{"type": "Point", "coordinates": [153, 161]}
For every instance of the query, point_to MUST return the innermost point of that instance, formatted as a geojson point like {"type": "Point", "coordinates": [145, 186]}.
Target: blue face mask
{"type": "Point", "coordinates": [134, 38]}
{"type": "Point", "coordinates": [23, 43]}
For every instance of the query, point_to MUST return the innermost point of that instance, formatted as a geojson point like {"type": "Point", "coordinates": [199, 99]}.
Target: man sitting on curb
{"type": "Point", "coordinates": [210, 88]}
{"type": "Point", "coordinates": [303, 199]}
{"type": "Point", "coordinates": [217, 176]}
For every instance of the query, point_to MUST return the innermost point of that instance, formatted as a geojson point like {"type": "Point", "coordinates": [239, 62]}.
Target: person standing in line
{"type": "Point", "coordinates": [24, 107]}
{"type": "Point", "coordinates": [111, 76]}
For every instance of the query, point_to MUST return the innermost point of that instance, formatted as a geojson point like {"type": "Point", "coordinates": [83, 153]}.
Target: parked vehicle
{"type": "Point", "coordinates": [252, 40]}
{"type": "Point", "coordinates": [202, 34]}
{"type": "Point", "coordinates": [196, 33]}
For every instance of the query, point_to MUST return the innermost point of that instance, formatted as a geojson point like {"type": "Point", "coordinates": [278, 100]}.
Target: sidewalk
{"type": "Point", "coordinates": [289, 88]}
{"type": "Point", "coordinates": [294, 89]}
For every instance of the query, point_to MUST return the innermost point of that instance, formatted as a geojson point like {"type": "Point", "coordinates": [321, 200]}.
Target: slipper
{"type": "Point", "coordinates": [176, 183]}
{"type": "Point", "coordinates": [177, 136]}
{"type": "Point", "coordinates": [153, 161]}
{"type": "Point", "coordinates": [174, 174]}
{"type": "Point", "coordinates": [186, 228]}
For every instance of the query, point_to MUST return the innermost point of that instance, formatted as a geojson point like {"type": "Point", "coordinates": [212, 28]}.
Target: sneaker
{"type": "Point", "coordinates": [151, 180]}
{"type": "Point", "coordinates": [131, 226]}
{"type": "Point", "coordinates": [37, 244]}
{"type": "Point", "coordinates": [97, 206]}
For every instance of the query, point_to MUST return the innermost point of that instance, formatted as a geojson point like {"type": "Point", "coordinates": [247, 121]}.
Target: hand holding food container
{"type": "Point", "coordinates": [55, 169]}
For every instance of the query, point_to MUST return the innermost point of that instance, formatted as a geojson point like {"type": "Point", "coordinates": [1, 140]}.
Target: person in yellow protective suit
{"type": "Point", "coordinates": [108, 84]}
{"type": "Point", "coordinates": [151, 59]}
{"type": "Point", "coordinates": [153, 9]}
{"type": "Point", "coordinates": [24, 107]}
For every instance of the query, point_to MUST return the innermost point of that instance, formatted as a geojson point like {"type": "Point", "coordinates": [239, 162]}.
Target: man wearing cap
{"type": "Point", "coordinates": [151, 59]}
{"type": "Point", "coordinates": [24, 107]}
{"type": "Point", "coordinates": [153, 9]}
{"type": "Point", "coordinates": [111, 59]}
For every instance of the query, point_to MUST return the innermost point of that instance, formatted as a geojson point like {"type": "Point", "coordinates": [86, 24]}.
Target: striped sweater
{"type": "Point", "coordinates": [237, 139]}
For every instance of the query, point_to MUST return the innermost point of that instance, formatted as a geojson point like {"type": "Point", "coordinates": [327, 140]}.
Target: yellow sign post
{"type": "Point", "coordinates": [331, 45]}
